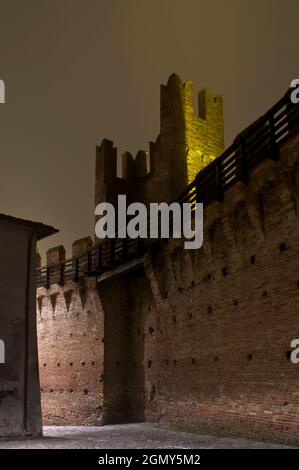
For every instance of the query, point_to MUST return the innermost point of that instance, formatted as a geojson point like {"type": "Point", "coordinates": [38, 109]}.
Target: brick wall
{"type": "Point", "coordinates": [71, 350]}
{"type": "Point", "coordinates": [224, 315]}
{"type": "Point", "coordinates": [196, 339]}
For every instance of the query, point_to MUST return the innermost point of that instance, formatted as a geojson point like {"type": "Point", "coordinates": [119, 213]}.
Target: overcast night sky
{"type": "Point", "coordinates": [77, 71]}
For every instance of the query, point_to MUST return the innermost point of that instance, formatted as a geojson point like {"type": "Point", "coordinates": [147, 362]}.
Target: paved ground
{"type": "Point", "coordinates": [128, 436]}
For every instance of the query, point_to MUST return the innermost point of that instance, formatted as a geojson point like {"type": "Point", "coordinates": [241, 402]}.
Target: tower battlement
{"type": "Point", "coordinates": [187, 142]}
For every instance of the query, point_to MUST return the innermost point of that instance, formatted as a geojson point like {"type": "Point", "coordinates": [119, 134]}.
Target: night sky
{"type": "Point", "coordinates": [77, 71]}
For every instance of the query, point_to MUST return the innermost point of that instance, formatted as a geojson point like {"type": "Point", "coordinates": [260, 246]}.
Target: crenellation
{"type": "Point", "coordinates": [142, 164]}
{"type": "Point", "coordinates": [81, 246]}
{"type": "Point", "coordinates": [55, 255]}
{"type": "Point", "coordinates": [128, 167]}
{"type": "Point", "coordinates": [106, 161]}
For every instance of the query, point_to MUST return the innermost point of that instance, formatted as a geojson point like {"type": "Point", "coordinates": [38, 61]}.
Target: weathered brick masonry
{"type": "Point", "coordinates": [196, 339]}
{"type": "Point", "coordinates": [71, 355]}
{"type": "Point", "coordinates": [223, 316]}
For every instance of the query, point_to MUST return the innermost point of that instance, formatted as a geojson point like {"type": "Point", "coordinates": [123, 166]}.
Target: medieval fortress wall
{"type": "Point", "coordinates": [224, 315]}
{"type": "Point", "coordinates": [198, 339]}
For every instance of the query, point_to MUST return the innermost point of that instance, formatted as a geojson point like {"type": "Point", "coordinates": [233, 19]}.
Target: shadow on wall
{"type": "Point", "coordinates": [123, 299]}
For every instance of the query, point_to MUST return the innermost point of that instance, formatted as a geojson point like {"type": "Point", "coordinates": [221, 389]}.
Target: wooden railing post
{"type": "Point", "coordinates": [61, 281]}
{"type": "Point", "coordinates": [89, 263]}
{"type": "Point", "coordinates": [219, 188]}
{"type": "Point", "coordinates": [243, 163]}
{"type": "Point", "coordinates": [48, 278]}
{"type": "Point", "coordinates": [76, 276]}
{"type": "Point", "coordinates": [273, 144]}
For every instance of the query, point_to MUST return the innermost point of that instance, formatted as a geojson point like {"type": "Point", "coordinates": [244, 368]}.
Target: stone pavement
{"type": "Point", "coordinates": [128, 436]}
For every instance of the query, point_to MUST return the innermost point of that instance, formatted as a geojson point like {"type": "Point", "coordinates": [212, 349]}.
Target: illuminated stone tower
{"type": "Point", "coordinates": [186, 144]}
{"type": "Point", "coordinates": [196, 139]}
{"type": "Point", "coordinates": [204, 133]}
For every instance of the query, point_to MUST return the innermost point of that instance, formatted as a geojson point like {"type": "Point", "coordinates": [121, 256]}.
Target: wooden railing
{"type": "Point", "coordinates": [258, 142]}
{"type": "Point", "coordinates": [103, 257]}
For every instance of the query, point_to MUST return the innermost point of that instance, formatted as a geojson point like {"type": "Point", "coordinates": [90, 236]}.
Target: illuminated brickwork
{"type": "Point", "coordinates": [204, 133]}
